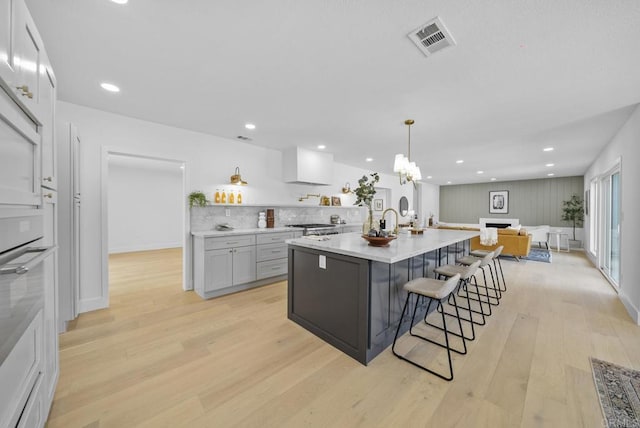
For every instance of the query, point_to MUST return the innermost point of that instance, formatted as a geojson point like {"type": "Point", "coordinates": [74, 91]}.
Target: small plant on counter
{"type": "Point", "coordinates": [197, 199]}
{"type": "Point", "coordinates": [364, 194]}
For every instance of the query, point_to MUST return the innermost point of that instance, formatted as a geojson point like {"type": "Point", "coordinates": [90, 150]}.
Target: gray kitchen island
{"type": "Point", "coordinates": [351, 294]}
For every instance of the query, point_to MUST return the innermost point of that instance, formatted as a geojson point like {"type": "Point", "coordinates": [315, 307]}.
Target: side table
{"type": "Point", "coordinates": [559, 239]}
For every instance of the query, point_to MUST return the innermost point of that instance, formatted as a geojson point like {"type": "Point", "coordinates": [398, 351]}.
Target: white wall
{"type": "Point", "coordinates": [209, 160]}
{"type": "Point", "coordinates": [625, 146]}
{"type": "Point", "coordinates": [145, 204]}
{"type": "Point", "coordinates": [429, 201]}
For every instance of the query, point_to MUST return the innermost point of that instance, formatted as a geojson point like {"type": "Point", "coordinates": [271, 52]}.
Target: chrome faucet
{"type": "Point", "coordinates": [395, 230]}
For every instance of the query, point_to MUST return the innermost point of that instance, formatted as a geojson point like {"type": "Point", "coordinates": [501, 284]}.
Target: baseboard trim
{"type": "Point", "coordinates": [631, 309]}
{"type": "Point", "coordinates": [145, 247]}
{"type": "Point", "coordinates": [88, 305]}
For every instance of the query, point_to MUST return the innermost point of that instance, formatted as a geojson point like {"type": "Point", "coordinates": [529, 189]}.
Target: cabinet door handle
{"type": "Point", "coordinates": [23, 88]}
{"type": "Point", "coordinates": [232, 243]}
{"type": "Point", "coordinates": [48, 195]}
{"type": "Point", "coordinates": [49, 179]}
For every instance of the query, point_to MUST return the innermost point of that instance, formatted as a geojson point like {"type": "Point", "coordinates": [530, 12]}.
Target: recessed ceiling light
{"type": "Point", "coordinates": [448, 182]}
{"type": "Point", "coordinates": [249, 126]}
{"type": "Point", "coordinates": [459, 161]}
{"type": "Point", "coordinates": [550, 164]}
{"type": "Point", "coordinates": [547, 149]}
{"type": "Point", "coordinates": [493, 179]}
{"type": "Point", "coordinates": [551, 174]}
{"type": "Point", "coordinates": [429, 177]}
{"type": "Point", "coordinates": [369, 159]}
{"type": "Point", "coordinates": [322, 146]}
{"type": "Point", "coordinates": [480, 172]}
{"type": "Point", "coordinates": [109, 87]}
{"type": "Point", "coordinates": [120, 1]}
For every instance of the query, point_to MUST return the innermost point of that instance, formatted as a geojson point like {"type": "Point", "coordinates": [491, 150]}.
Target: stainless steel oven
{"type": "Point", "coordinates": [22, 279]}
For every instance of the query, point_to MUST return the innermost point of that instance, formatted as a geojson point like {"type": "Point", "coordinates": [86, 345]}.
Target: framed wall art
{"type": "Point", "coordinates": [499, 202]}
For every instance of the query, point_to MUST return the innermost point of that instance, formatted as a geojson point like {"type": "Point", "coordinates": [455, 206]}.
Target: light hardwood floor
{"type": "Point", "coordinates": [163, 357]}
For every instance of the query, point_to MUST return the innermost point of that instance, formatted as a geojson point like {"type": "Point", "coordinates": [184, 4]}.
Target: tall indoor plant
{"type": "Point", "coordinates": [573, 211]}
{"type": "Point", "coordinates": [364, 194]}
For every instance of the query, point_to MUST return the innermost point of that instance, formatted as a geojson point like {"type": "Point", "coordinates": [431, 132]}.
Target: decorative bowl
{"type": "Point", "coordinates": [379, 241]}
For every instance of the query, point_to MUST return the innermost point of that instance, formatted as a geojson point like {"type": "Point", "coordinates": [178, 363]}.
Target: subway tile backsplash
{"type": "Point", "coordinates": [246, 217]}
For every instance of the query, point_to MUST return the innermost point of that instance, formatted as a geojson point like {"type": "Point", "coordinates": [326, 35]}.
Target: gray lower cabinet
{"type": "Point", "coordinates": [225, 264]}
{"type": "Point", "coordinates": [244, 265]}
{"type": "Point", "coordinates": [272, 254]}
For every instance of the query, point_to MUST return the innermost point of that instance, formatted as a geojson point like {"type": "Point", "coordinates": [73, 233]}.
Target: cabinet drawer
{"type": "Point", "coordinates": [274, 238]}
{"type": "Point", "coordinates": [229, 242]}
{"type": "Point", "coordinates": [271, 268]}
{"type": "Point", "coordinates": [271, 252]}
{"type": "Point", "coordinates": [19, 371]}
{"type": "Point", "coordinates": [33, 413]}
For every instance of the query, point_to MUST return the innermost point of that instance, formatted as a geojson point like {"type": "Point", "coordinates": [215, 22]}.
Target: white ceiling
{"type": "Point", "coordinates": [524, 75]}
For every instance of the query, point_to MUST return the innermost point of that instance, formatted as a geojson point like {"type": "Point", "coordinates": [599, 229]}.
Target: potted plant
{"type": "Point", "coordinates": [573, 211]}
{"type": "Point", "coordinates": [364, 195]}
{"type": "Point", "coordinates": [197, 199]}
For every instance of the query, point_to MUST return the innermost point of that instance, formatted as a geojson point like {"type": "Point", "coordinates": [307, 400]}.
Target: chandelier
{"type": "Point", "coordinates": [407, 170]}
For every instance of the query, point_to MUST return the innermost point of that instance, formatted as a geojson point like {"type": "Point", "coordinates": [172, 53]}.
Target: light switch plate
{"type": "Point", "coordinates": [227, 212]}
{"type": "Point", "coordinates": [322, 262]}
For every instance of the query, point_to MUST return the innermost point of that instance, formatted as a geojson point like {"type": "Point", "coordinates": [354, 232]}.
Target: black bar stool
{"type": "Point", "coordinates": [466, 273]}
{"type": "Point", "coordinates": [496, 256]}
{"type": "Point", "coordinates": [484, 262]}
{"type": "Point", "coordinates": [434, 290]}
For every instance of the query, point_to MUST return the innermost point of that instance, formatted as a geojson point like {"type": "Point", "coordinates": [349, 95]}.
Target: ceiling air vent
{"type": "Point", "coordinates": [432, 37]}
{"type": "Point", "coordinates": [243, 138]}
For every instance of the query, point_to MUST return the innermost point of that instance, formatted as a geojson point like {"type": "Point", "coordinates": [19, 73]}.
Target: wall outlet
{"type": "Point", "coordinates": [227, 212]}
{"type": "Point", "coordinates": [322, 262]}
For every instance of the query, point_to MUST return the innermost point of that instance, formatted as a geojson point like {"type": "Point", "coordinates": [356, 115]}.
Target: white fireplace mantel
{"type": "Point", "coordinates": [511, 222]}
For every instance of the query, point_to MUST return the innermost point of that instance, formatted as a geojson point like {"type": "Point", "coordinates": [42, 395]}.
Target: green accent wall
{"type": "Point", "coordinates": [534, 202]}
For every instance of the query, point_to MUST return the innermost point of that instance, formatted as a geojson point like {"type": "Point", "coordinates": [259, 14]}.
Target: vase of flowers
{"type": "Point", "coordinates": [364, 197]}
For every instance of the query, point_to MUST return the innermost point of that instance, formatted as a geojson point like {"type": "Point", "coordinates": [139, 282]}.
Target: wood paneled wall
{"type": "Point", "coordinates": [534, 202]}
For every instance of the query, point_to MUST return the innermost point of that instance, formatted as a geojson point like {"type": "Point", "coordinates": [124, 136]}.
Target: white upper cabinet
{"type": "Point", "coordinates": [21, 54]}
{"type": "Point", "coordinates": [48, 111]}
{"type": "Point", "coordinates": [5, 38]}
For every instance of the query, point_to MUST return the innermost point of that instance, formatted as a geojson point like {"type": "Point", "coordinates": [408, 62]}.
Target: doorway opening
{"type": "Point", "coordinates": [143, 226]}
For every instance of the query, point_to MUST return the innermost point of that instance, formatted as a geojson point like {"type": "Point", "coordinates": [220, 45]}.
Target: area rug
{"type": "Point", "coordinates": [538, 255]}
{"type": "Point", "coordinates": [619, 392]}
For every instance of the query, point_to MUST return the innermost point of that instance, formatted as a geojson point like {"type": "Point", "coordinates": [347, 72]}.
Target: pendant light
{"type": "Point", "coordinates": [407, 171]}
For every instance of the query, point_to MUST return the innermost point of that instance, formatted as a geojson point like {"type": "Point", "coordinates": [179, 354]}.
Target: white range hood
{"type": "Point", "coordinates": [307, 166]}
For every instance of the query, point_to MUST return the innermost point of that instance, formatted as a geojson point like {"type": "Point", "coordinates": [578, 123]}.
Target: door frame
{"type": "Point", "coordinates": [602, 221]}
{"type": "Point", "coordinates": [104, 212]}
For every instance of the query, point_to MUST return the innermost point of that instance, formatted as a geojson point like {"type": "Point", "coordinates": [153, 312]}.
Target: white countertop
{"type": "Point", "coordinates": [253, 231]}
{"type": "Point", "coordinates": [404, 247]}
